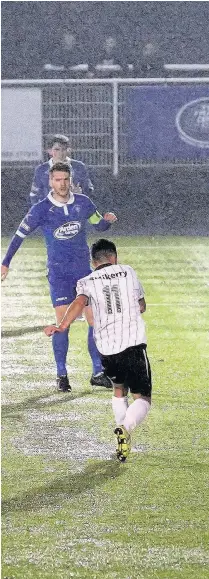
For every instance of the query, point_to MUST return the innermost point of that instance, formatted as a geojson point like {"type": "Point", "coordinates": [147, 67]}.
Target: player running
{"type": "Point", "coordinates": [62, 217]}
{"type": "Point", "coordinates": [117, 302]}
{"type": "Point", "coordinates": [58, 150]}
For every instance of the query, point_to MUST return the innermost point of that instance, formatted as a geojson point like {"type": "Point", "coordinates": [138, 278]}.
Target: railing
{"type": "Point", "coordinates": [93, 113]}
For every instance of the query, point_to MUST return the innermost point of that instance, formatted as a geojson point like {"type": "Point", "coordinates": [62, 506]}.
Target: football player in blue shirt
{"type": "Point", "coordinates": [58, 149]}
{"type": "Point", "coordinates": [62, 217]}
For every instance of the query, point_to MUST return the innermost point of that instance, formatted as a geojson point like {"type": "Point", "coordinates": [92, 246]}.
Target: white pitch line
{"type": "Point", "coordinates": [201, 305]}
{"type": "Point", "coordinates": [161, 247]}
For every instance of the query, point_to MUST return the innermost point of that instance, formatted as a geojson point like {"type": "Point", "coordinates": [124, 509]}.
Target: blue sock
{"type": "Point", "coordinates": [95, 356]}
{"type": "Point", "coordinates": [60, 346]}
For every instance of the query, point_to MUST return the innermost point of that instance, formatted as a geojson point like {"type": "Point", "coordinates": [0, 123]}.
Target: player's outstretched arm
{"type": "Point", "coordinates": [75, 309]}
{"type": "Point", "coordinates": [13, 247]}
{"type": "Point", "coordinates": [29, 223]}
{"type": "Point", "coordinates": [102, 223]}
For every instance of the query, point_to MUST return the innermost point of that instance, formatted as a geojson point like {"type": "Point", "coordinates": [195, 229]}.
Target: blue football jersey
{"type": "Point", "coordinates": [40, 186]}
{"type": "Point", "coordinates": [64, 230]}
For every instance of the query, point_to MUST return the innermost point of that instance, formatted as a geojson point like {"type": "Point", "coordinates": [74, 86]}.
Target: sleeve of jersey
{"type": "Point", "coordinates": [36, 193]}
{"type": "Point", "coordinates": [98, 222]}
{"type": "Point", "coordinates": [137, 286]}
{"type": "Point", "coordinates": [81, 288]}
{"type": "Point", "coordinates": [30, 222]}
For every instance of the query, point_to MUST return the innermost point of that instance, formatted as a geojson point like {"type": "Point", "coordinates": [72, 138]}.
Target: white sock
{"type": "Point", "coordinates": [119, 406]}
{"type": "Point", "coordinates": [135, 413]}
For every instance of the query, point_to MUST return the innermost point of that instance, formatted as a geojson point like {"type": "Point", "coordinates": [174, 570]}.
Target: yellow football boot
{"type": "Point", "coordinates": [124, 443]}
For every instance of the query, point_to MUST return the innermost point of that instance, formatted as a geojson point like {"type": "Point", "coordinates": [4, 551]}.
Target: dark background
{"type": "Point", "coordinates": [32, 32]}
{"type": "Point", "coordinates": [151, 200]}
{"type": "Point", "coordinates": [147, 201]}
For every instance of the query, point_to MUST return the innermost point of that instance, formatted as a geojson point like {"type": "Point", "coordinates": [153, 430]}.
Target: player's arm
{"type": "Point", "coordinates": [29, 223]}
{"type": "Point", "coordinates": [84, 180]}
{"type": "Point", "coordinates": [99, 222]}
{"type": "Point", "coordinates": [37, 188]}
{"type": "Point", "coordinates": [139, 291]}
{"type": "Point", "coordinates": [102, 223]}
{"type": "Point", "coordinates": [75, 309]}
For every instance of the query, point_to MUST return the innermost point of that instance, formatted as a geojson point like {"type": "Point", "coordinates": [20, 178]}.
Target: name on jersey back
{"type": "Point", "coordinates": [110, 276]}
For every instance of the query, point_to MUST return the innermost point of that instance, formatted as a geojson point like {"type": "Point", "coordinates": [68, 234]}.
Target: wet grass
{"type": "Point", "coordinates": [69, 509]}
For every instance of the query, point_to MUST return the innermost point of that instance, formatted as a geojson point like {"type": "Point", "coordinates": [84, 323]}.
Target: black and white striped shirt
{"type": "Point", "coordinates": [113, 292]}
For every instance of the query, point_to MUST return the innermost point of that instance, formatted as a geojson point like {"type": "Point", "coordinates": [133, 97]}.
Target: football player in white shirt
{"type": "Point", "coordinates": [115, 301]}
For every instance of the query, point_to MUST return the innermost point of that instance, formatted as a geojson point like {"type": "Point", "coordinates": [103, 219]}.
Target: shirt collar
{"type": "Point", "coordinates": [102, 265]}
{"type": "Point", "coordinates": [58, 203]}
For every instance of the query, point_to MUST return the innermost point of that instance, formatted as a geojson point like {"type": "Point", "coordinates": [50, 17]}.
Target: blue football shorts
{"type": "Point", "coordinates": [63, 288]}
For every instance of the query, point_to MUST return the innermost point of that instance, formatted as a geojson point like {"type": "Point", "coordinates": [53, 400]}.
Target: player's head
{"type": "Point", "coordinates": [60, 179]}
{"type": "Point", "coordinates": [103, 251]}
{"type": "Point", "coordinates": [58, 147]}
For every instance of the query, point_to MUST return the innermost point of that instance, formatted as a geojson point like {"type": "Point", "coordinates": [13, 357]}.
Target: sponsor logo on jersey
{"type": "Point", "coordinates": [67, 230]}
{"type": "Point", "coordinates": [77, 209]}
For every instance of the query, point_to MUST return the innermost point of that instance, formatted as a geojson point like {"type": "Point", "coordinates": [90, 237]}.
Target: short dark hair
{"type": "Point", "coordinates": [102, 249]}
{"type": "Point", "coordinates": [61, 139]}
{"type": "Point", "coordinates": [61, 166]}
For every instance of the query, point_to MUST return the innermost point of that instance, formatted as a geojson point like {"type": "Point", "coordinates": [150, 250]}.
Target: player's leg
{"type": "Point", "coordinates": [114, 369]}
{"type": "Point", "coordinates": [119, 403]}
{"type": "Point", "coordinates": [62, 293]}
{"type": "Point", "coordinates": [99, 377]}
{"type": "Point", "coordinates": [60, 343]}
{"type": "Point", "coordinates": [140, 384]}
{"type": "Point", "coordinates": [132, 370]}
{"type": "Point", "coordinates": [120, 406]}
{"type": "Point", "coordinates": [113, 365]}
{"type": "Point", "coordinates": [136, 412]}
{"type": "Point", "coordinates": [61, 350]}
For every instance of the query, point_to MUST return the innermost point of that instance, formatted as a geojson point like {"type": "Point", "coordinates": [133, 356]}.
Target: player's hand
{"type": "Point", "coordinates": [76, 188]}
{"type": "Point", "coordinates": [4, 272]}
{"type": "Point", "coordinates": [111, 217]}
{"type": "Point", "coordinates": [50, 330]}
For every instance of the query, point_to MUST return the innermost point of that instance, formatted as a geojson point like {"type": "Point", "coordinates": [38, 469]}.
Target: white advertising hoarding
{"type": "Point", "coordinates": [21, 124]}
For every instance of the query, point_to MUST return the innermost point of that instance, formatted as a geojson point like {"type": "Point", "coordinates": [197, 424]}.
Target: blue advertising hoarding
{"type": "Point", "coordinates": [168, 123]}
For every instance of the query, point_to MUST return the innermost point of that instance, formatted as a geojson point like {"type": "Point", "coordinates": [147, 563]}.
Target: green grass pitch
{"type": "Point", "coordinates": [69, 509]}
